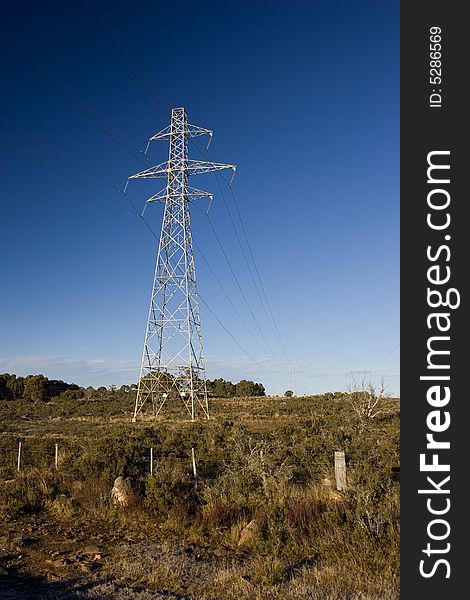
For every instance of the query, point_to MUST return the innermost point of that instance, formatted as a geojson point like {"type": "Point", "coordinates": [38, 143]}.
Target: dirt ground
{"type": "Point", "coordinates": [45, 559]}
{"type": "Point", "coordinates": [266, 459]}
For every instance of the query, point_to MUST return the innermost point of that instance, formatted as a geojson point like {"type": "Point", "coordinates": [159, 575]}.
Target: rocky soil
{"type": "Point", "coordinates": [44, 559]}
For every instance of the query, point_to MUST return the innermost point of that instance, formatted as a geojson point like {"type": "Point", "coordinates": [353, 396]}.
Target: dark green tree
{"type": "Point", "coordinates": [35, 388]}
{"type": "Point", "coordinates": [4, 378]}
{"type": "Point", "coordinates": [250, 388]}
{"type": "Point", "coordinates": [223, 388]}
{"type": "Point", "coordinates": [15, 387]}
{"type": "Point", "coordinates": [56, 387]}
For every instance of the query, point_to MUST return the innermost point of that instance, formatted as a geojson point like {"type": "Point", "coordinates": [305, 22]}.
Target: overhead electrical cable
{"type": "Point", "coordinates": [268, 346]}
{"type": "Point", "coordinates": [166, 111]}
{"type": "Point", "coordinates": [86, 112]}
{"type": "Point", "coordinates": [136, 212]}
{"type": "Point", "coordinates": [68, 157]}
{"type": "Point", "coordinates": [268, 311]}
{"type": "Point", "coordinates": [258, 273]}
{"type": "Point", "coordinates": [224, 291]}
{"type": "Point", "coordinates": [40, 158]}
{"type": "Point", "coordinates": [228, 332]}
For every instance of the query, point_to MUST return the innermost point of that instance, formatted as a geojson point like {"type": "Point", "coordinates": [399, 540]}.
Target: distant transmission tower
{"type": "Point", "coordinates": [173, 360]}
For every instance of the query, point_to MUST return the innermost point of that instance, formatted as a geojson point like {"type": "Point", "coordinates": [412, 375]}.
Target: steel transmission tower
{"type": "Point", "coordinates": [173, 360]}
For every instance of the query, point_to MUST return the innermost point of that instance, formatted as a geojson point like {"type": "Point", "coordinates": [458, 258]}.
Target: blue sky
{"type": "Point", "coordinates": [302, 96]}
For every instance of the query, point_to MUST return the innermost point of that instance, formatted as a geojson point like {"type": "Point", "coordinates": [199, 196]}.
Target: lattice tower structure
{"type": "Point", "coordinates": [172, 364]}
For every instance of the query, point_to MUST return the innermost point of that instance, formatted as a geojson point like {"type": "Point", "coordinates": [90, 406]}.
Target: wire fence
{"type": "Point", "coordinates": [73, 459]}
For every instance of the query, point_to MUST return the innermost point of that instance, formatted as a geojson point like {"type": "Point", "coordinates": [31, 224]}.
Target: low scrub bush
{"type": "Point", "coordinates": [255, 465]}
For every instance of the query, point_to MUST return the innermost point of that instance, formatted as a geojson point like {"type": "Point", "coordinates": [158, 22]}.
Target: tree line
{"type": "Point", "coordinates": [34, 387]}
{"type": "Point", "coordinates": [39, 388]}
{"type": "Point", "coordinates": [220, 388]}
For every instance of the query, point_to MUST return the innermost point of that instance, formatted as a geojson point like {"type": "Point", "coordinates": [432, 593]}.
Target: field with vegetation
{"type": "Point", "coordinates": [262, 518]}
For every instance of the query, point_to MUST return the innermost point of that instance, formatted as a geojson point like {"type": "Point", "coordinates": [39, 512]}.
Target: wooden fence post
{"type": "Point", "coordinates": [340, 471]}
{"type": "Point", "coordinates": [194, 463]}
{"type": "Point", "coordinates": [151, 461]}
{"type": "Point", "coordinates": [56, 458]}
{"type": "Point", "coordinates": [18, 466]}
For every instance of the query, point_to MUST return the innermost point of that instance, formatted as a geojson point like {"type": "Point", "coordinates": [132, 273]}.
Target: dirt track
{"type": "Point", "coordinates": [41, 559]}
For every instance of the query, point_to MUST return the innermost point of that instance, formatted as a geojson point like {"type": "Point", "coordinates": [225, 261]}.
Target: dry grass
{"type": "Point", "coordinates": [265, 461]}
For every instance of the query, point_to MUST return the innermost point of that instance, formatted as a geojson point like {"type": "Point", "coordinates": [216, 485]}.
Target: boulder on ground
{"type": "Point", "coordinates": [248, 533]}
{"type": "Point", "coordinates": [122, 492]}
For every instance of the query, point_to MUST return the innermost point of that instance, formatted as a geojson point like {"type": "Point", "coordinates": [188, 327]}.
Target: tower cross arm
{"type": "Point", "coordinates": [164, 134]}
{"type": "Point", "coordinates": [192, 167]}
{"type": "Point", "coordinates": [192, 194]}
{"type": "Point", "coordinates": [157, 172]}
{"type": "Point", "coordinates": [195, 131]}
{"type": "Point", "coordinates": [190, 130]}
{"type": "Point", "coordinates": [196, 167]}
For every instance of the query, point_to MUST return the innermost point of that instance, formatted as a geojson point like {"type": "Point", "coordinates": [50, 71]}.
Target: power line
{"type": "Point", "coordinates": [134, 211]}
{"type": "Point", "coordinates": [270, 316]}
{"type": "Point", "coordinates": [232, 304]}
{"type": "Point", "coordinates": [204, 302]}
{"type": "Point", "coordinates": [167, 110]}
{"type": "Point", "coordinates": [74, 178]}
{"type": "Point", "coordinates": [386, 356]}
{"type": "Point", "coordinates": [227, 331]}
{"type": "Point", "coordinates": [68, 157]}
{"type": "Point", "coordinates": [139, 80]}
{"type": "Point", "coordinates": [268, 311]}
{"type": "Point", "coordinates": [258, 273]}
{"type": "Point", "coordinates": [85, 112]}
{"type": "Point", "coordinates": [243, 294]}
